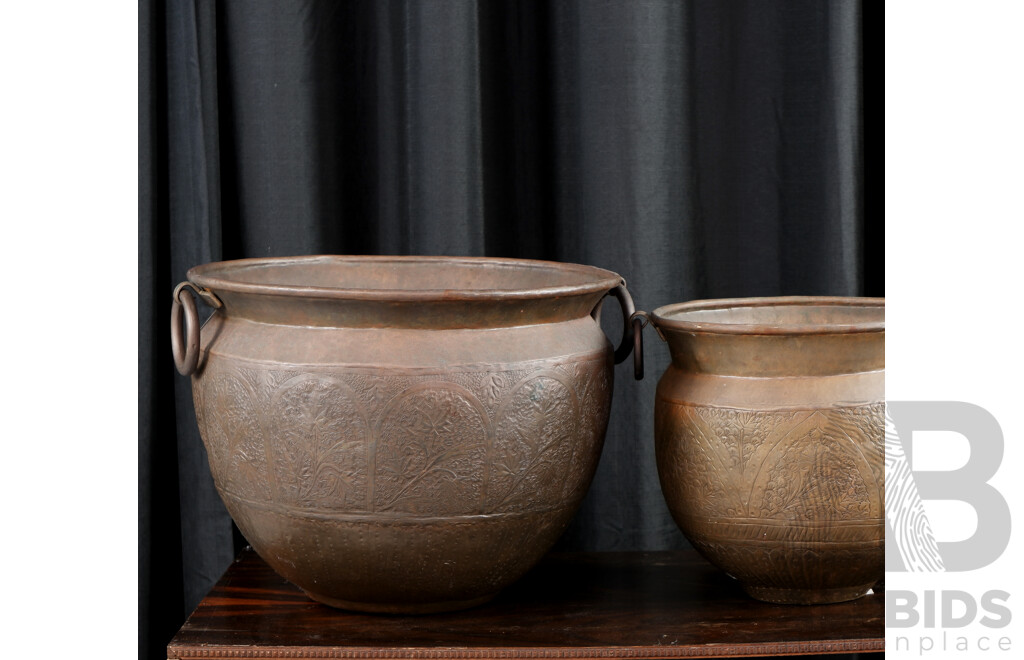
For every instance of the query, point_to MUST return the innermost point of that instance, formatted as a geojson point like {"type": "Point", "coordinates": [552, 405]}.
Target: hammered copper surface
{"type": "Point", "coordinates": [769, 439]}
{"type": "Point", "coordinates": [403, 434]}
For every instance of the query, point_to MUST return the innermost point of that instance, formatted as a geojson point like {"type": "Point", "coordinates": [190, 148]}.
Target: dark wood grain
{"type": "Point", "coordinates": [588, 605]}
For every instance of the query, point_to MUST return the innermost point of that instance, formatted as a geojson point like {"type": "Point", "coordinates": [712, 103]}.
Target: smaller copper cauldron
{"type": "Point", "coordinates": [769, 427]}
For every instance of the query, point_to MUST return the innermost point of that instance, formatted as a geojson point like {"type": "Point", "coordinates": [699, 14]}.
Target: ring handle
{"type": "Point", "coordinates": [639, 321]}
{"type": "Point", "coordinates": [621, 294]}
{"type": "Point", "coordinates": [185, 342]}
{"type": "Point", "coordinates": [185, 349]}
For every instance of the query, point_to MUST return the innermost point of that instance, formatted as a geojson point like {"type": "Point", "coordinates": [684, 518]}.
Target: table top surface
{"type": "Point", "coordinates": [583, 605]}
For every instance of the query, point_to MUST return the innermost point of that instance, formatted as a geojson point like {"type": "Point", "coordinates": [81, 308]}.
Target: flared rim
{"type": "Point", "coordinates": [224, 276]}
{"type": "Point", "coordinates": [675, 316]}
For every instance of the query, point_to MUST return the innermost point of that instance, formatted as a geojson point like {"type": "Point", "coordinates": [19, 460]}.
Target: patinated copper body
{"type": "Point", "coordinates": [769, 437]}
{"type": "Point", "coordinates": [401, 434]}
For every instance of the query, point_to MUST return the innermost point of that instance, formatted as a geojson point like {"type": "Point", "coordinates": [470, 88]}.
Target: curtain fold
{"type": "Point", "coordinates": [700, 149]}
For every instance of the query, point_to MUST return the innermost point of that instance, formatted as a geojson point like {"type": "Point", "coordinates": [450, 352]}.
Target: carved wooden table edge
{"type": "Point", "coordinates": [711, 651]}
{"type": "Point", "coordinates": [572, 606]}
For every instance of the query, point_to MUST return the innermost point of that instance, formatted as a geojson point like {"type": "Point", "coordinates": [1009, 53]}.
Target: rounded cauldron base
{"type": "Point", "coordinates": [401, 608]}
{"type": "Point", "coordinates": [783, 596]}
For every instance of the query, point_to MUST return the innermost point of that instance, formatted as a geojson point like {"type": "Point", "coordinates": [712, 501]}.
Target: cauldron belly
{"type": "Point", "coordinates": [403, 489]}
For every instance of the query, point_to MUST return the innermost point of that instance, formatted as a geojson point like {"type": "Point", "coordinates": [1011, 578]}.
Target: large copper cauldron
{"type": "Point", "coordinates": [769, 438]}
{"type": "Point", "coordinates": [400, 434]}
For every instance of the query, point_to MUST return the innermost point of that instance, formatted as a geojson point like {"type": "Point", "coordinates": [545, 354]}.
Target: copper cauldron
{"type": "Point", "coordinates": [769, 428]}
{"type": "Point", "coordinates": [400, 434]}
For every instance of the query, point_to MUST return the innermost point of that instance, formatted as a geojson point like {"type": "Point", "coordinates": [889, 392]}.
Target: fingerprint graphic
{"type": "Point", "coordinates": [904, 509]}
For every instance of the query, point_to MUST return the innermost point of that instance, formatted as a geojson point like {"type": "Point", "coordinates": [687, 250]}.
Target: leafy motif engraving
{"type": "Point", "coordinates": [429, 454]}
{"type": "Point", "coordinates": [740, 434]}
{"type": "Point", "coordinates": [816, 477]}
{"type": "Point", "coordinates": [866, 422]}
{"type": "Point", "coordinates": [593, 386]}
{"type": "Point", "coordinates": [533, 441]}
{"type": "Point", "coordinates": [320, 443]}
{"type": "Point", "coordinates": [229, 425]}
{"type": "Point", "coordinates": [464, 441]}
{"type": "Point", "coordinates": [786, 465]}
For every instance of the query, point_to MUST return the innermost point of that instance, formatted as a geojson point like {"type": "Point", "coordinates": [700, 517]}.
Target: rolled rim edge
{"type": "Point", "coordinates": [659, 316]}
{"type": "Point", "coordinates": [207, 275]}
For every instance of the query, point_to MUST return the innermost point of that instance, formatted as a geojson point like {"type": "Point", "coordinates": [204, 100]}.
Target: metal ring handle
{"type": "Point", "coordinates": [626, 303]}
{"type": "Point", "coordinates": [639, 321]}
{"type": "Point", "coordinates": [204, 294]}
{"type": "Point", "coordinates": [185, 349]}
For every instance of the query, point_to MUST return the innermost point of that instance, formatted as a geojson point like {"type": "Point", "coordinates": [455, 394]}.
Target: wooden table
{"type": "Point", "coordinates": [587, 605]}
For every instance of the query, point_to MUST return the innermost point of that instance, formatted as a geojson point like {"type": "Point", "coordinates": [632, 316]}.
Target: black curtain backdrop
{"type": "Point", "coordinates": [700, 149]}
